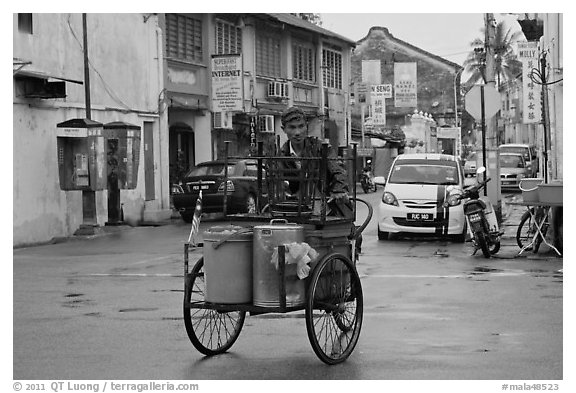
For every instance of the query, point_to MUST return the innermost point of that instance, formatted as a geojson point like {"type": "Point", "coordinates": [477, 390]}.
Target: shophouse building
{"type": "Point", "coordinates": [435, 81]}
{"type": "Point", "coordinates": [124, 53]}
{"type": "Point", "coordinates": [278, 60]}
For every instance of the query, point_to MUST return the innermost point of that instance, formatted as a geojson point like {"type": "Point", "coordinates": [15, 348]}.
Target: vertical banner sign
{"type": "Point", "coordinates": [405, 85]}
{"type": "Point", "coordinates": [532, 107]}
{"type": "Point", "coordinates": [378, 95]}
{"type": "Point", "coordinates": [371, 73]}
{"type": "Point", "coordinates": [227, 84]}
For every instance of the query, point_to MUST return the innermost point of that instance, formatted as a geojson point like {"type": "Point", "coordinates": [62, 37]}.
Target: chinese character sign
{"type": "Point", "coordinates": [405, 86]}
{"type": "Point", "coordinates": [227, 85]}
{"type": "Point", "coordinates": [532, 107]}
{"type": "Point", "coordinates": [378, 95]}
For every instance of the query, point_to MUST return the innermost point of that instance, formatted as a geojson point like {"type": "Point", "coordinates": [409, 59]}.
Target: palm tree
{"type": "Point", "coordinates": [507, 67]}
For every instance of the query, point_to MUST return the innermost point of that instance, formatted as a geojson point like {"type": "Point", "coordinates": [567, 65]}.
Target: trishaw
{"type": "Point", "coordinates": [331, 294]}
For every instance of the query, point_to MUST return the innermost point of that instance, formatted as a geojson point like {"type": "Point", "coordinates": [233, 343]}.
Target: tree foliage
{"type": "Point", "coordinates": [507, 66]}
{"type": "Point", "coordinates": [310, 17]}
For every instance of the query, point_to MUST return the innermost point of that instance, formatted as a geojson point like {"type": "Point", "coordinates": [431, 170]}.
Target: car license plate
{"type": "Point", "coordinates": [420, 217]}
{"type": "Point", "coordinates": [201, 187]}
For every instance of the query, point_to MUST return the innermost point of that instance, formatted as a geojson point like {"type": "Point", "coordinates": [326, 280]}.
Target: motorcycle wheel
{"type": "Point", "coordinates": [494, 247]}
{"type": "Point", "coordinates": [483, 244]}
{"type": "Point", "coordinates": [365, 187]}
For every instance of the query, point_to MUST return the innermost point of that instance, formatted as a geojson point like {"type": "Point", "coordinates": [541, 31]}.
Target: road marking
{"type": "Point", "coordinates": [132, 275]}
{"type": "Point", "coordinates": [443, 276]}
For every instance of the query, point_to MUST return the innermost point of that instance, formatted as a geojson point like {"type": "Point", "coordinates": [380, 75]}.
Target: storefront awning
{"type": "Point", "coordinates": [43, 75]}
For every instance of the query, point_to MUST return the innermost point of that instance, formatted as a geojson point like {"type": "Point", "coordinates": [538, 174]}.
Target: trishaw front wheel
{"type": "Point", "coordinates": [334, 309]}
{"type": "Point", "coordinates": [211, 332]}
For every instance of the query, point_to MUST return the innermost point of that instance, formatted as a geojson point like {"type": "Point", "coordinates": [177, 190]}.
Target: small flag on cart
{"type": "Point", "coordinates": [196, 219]}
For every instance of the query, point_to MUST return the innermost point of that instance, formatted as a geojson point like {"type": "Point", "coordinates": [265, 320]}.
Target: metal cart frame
{"type": "Point", "coordinates": [334, 299]}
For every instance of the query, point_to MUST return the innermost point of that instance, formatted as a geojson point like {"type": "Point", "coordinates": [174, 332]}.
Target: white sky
{"type": "Point", "coordinates": [443, 34]}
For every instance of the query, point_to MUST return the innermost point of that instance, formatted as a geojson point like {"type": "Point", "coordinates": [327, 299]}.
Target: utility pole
{"type": "Point", "coordinates": [490, 137]}
{"type": "Point", "coordinates": [89, 224]}
{"type": "Point", "coordinates": [490, 74]}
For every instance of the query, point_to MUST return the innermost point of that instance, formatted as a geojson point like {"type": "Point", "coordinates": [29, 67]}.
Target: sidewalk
{"type": "Point", "coordinates": [511, 216]}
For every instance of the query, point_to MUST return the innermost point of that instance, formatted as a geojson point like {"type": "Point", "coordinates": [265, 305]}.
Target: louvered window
{"type": "Point", "coordinates": [268, 55]}
{"type": "Point", "coordinates": [304, 62]}
{"type": "Point", "coordinates": [228, 38]}
{"type": "Point", "coordinates": [183, 37]}
{"type": "Point", "coordinates": [332, 68]}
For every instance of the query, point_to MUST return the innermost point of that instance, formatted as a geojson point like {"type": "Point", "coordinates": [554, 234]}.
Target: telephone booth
{"type": "Point", "coordinates": [123, 152]}
{"type": "Point", "coordinates": [81, 155]}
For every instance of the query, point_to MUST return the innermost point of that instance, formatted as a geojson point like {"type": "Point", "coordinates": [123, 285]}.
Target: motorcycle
{"type": "Point", "coordinates": [367, 182]}
{"type": "Point", "coordinates": [481, 218]}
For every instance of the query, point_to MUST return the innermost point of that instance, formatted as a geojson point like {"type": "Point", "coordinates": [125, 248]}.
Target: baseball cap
{"type": "Point", "coordinates": [292, 113]}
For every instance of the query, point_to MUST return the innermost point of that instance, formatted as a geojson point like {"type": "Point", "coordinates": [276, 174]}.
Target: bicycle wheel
{"type": "Point", "coordinates": [334, 309]}
{"type": "Point", "coordinates": [210, 331]}
{"type": "Point", "coordinates": [526, 230]}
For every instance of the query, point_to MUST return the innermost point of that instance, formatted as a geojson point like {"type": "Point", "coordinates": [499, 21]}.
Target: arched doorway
{"type": "Point", "coordinates": [181, 151]}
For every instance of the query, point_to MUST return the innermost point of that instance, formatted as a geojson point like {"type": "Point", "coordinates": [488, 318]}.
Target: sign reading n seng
{"type": "Point", "coordinates": [227, 83]}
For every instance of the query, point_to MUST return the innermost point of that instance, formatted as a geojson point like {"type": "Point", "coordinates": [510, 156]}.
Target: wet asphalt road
{"type": "Point", "coordinates": [110, 307]}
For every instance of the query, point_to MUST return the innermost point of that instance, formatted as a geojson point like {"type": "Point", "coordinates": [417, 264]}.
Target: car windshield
{"type": "Point", "coordinates": [424, 174]}
{"type": "Point", "coordinates": [511, 161]}
{"type": "Point", "coordinates": [517, 150]}
{"type": "Point", "coordinates": [210, 170]}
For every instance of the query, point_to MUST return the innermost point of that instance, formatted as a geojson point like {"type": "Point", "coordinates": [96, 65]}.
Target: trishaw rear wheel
{"type": "Point", "coordinates": [210, 331]}
{"type": "Point", "coordinates": [334, 308]}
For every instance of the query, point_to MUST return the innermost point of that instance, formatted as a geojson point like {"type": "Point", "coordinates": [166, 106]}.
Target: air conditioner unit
{"type": "Point", "coordinates": [278, 89]}
{"type": "Point", "coordinates": [222, 120]}
{"type": "Point", "coordinates": [266, 123]}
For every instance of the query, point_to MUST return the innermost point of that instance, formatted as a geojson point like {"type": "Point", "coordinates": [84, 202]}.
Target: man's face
{"type": "Point", "coordinates": [296, 131]}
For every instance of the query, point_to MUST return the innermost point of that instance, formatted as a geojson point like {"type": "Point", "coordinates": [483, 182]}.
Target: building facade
{"type": "Point", "coordinates": [154, 71]}
{"type": "Point", "coordinates": [511, 126]}
{"type": "Point", "coordinates": [282, 60]}
{"type": "Point", "coordinates": [437, 82]}
{"type": "Point", "coordinates": [125, 84]}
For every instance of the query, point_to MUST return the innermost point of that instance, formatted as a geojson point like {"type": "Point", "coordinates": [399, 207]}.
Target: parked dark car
{"type": "Point", "coordinates": [209, 177]}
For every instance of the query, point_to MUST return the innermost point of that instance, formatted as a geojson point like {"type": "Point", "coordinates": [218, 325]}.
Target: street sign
{"type": "Point", "coordinates": [491, 101]}
{"type": "Point", "coordinates": [382, 91]}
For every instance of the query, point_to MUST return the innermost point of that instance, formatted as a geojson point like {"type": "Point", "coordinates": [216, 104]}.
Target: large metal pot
{"type": "Point", "coordinates": [266, 283]}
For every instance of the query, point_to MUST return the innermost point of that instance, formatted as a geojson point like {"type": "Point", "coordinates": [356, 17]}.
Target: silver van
{"type": "Point", "coordinates": [529, 153]}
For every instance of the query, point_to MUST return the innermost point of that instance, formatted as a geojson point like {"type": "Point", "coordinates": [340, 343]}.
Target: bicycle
{"type": "Point", "coordinates": [527, 228]}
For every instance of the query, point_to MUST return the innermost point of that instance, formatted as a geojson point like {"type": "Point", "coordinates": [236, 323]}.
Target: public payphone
{"type": "Point", "coordinates": [123, 152]}
{"type": "Point", "coordinates": [81, 164]}
{"type": "Point", "coordinates": [122, 156]}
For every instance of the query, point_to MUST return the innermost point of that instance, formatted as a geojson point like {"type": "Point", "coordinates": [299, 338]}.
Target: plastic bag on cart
{"type": "Point", "coordinates": [300, 254]}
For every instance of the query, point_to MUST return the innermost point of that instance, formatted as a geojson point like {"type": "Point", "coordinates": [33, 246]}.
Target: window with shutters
{"type": "Point", "coordinates": [183, 37]}
{"type": "Point", "coordinates": [228, 38]}
{"type": "Point", "coordinates": [268, 61]}
{"type": "Point", "coordinates": [332, 68]}
{"type": "Point", "coordinates": [304, 62]}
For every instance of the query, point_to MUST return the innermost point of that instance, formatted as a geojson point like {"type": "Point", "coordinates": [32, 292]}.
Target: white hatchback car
{"type": "Point", "coordinates": [420, 196]}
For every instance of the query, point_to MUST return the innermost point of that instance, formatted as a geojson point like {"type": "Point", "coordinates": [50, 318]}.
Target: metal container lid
{"type": "Point", "coordinates": [280, 224]}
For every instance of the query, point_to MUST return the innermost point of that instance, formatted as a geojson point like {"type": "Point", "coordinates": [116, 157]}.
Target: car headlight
{"type": "Point", "coordinates": [230, 186]}
{"type": "Point", "coordinates": [389, 199]}
{"type": "Point", "coordinates": [452, 200]}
